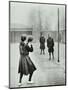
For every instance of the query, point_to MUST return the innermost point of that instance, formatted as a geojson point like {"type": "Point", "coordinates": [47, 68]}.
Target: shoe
{"type": "Point", "coordinates": [19, 84]}
{"type": "Point", "coordinates": [30, 82]}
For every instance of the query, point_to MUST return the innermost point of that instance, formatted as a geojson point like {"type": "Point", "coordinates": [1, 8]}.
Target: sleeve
{"type": "Point", "coordinates": [53, 42]}
{"type": "Point", "coordinates": [44, 40]}
{"type": "Point", "coordinates": [40, 40]}
{"type": "Point", "coordinates": [30, 49]}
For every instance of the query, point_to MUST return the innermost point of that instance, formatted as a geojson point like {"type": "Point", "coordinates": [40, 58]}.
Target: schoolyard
{"type": "Point", "coordinates": [47, 73]}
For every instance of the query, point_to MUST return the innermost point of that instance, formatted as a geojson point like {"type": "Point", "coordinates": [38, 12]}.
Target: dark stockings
{"type": "Point", "coordinates": [42, 50]}
{"type": "Point", "coordinates": [49, 56]}
{"type": "Point", "coordinates": [30, 76]}
{"type": "Point", "coordinates": [21, 75]}
{"type": "Point", "coordinates": [53, 55]}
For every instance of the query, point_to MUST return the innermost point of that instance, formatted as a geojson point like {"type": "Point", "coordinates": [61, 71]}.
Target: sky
{"type": "Point", "coordinates": [28, 14]}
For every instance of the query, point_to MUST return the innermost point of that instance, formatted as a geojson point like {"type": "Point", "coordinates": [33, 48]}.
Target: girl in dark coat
{"type": "Point", "coordinates": [26, 66]}
{"type": "Point", "coordinates": [42, 44]}
{"type": "Point", "coordinates": [31, 67]}
{"type": "Point", "coordinates": [50, 45]}
{"type": "Point", "coordinates": [22, 60]}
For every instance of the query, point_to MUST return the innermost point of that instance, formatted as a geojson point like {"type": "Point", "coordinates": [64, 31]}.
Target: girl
{"type": "Point", "coordinates": [26, 66]}
{"type": "Point", "coordinates": [21, 68]}
{"type": "Point", "coordinates": [30, 65]}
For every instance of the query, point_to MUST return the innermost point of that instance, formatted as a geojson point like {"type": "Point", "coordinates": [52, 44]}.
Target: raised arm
{"type": "Point", "coordinates": [29, 48]}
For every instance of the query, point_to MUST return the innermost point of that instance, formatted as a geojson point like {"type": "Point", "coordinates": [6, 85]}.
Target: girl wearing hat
{"type": "Point", "coordinates": [30, 66]}
{"type": "Point", "coordinates": [26, 66]}
{"type": "Point", "coordinates": [22, 57]}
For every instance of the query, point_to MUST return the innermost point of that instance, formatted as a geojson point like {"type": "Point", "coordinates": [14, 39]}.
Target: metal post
{"type": "Point", "coordinates": [58, 35]}
{"type": "Point", "coordinates": [40, 26]}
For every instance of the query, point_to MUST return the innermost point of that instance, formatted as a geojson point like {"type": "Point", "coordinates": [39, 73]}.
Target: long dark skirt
{"type": "Point", "coordinates": [42, 46]}
{"type": "Point", "coordinates": [51, 50]}
{"type": "Point", "coordinates": [26, 66]}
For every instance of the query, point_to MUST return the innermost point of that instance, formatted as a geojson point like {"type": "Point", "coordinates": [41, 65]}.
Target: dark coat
{"type": "Point", "coordinates": [26, 66]}
{"type": "Point", "coordinates": [42, 42]}
{"type": "Point", "coordinates": [50, 44]}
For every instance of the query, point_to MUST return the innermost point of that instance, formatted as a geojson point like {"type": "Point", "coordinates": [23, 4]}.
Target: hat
{"type": "Point", "coordinates": [30, 39]}
{"type": "Point", "coordinates": [23, 37]}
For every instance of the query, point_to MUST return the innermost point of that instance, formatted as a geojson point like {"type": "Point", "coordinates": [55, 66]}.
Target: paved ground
{"type": "Point", "coordinates": [47, 73]}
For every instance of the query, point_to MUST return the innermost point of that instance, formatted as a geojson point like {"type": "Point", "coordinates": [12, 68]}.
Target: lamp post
{"type": "Point", "coordinates": [58, 35]}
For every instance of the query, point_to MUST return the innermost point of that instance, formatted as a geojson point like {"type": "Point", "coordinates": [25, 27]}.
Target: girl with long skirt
{"type": "Point", "coordinates": [30, 65]}
{"type": "Point", "coordinates": [26, 66]}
